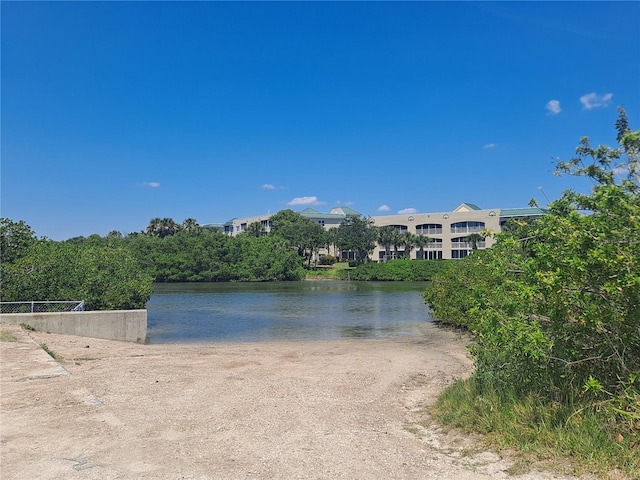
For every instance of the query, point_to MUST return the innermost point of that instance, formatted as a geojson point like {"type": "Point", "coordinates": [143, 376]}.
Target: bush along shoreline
{"type": "Point", "coordinates": [554, 310]}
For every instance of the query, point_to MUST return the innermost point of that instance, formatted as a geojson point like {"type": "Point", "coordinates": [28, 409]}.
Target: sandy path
{"type": "Point", "coordinates": [338, 409]}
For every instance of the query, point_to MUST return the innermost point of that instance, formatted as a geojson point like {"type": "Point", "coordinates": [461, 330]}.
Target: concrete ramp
{"type": "Point", "coordinates": [25, 360]}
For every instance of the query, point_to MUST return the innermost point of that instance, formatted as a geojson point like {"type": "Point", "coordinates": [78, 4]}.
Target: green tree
{"type": "Point", "coordinates": [421, 241]}
{"type": "Point", "coordinates": [408, 242]}
{"type": "Point", "coordinates": [162, 227]}
{"type": "Point", "coordinates": [104, 277]}
{"type": "Point", "coordinates": [357, 234]}
{"type": "Point", "coordinates": [396, 242]}
{"type": "Point", "coordinates": [256, 229]}
{"type": "Point", "coordinates": [15, 239]}
{"type": "Point", "coordinates": [261, 259]}
{"type": "Point", "coordinates": [299, 232]}
{"type": "Point", "coordinates": [190, 225]}
{"type": "Point", "coordinates": [474, 239]}
{"type": "Point", "coordinates": [386, 238]}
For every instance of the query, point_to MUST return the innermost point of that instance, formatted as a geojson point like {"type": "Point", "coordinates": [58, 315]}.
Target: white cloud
{"type": "Point", "coordinates": [593, 100]}
{"type": "Point", "coordinates": [268, 186]}
{"type": "Point", "coordinates": [384, 208]}
{"type": "Point", "coordinates": [621, 171]}
{"type": "Point", "coordinates": [304, 201]}
{"type": "Point", "coordinates": [407, 211]}
{"type": "Point", "coordinates": [151, 184]}
{"type": "Point", "coordinates": [553, 107]}
{"type": "Point", "coordinates": [490, 145]}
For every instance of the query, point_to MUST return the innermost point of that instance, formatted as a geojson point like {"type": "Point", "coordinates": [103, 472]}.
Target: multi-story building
{"type": "Point", "coordinates": [450, 234]}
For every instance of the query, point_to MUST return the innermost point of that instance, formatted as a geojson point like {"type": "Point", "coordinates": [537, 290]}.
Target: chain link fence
{"type": "Point", "coordinates": [42, 307]}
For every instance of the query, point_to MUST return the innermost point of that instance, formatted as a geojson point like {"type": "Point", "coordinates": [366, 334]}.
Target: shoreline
{"type": "Point", "coordinates": [343, 408]}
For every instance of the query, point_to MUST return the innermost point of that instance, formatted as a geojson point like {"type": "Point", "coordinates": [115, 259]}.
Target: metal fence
{"type": "Point", "coordinates": [42, 307]}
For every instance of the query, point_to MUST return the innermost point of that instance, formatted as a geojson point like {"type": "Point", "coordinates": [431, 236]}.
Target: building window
{"type": "Point", "coordinates": [434, 255]}
{"type": "Point", "coordinates": [402, 228]}
{"type": "Point", "coordinates": [435, 244]}
{"type": "Point", "coordinates": [460, 243]}
{"type": "Point", "coordinates": [459, 253]}
{"type": "Point", "coordinates": [429, 229]}
{"type": "Point", "coordinates": [467, 227]}
{"type": "Point", "coordinates": [463, 243]}
{"type": "Point", "coordinates": [429, 255]}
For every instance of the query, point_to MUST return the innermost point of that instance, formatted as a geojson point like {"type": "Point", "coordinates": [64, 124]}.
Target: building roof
{"type": "Point", "coordinates": [338, 212]}
{"type": "Point", "coordinates": [309, 211]}
{"type": "Point", "coordinates": [345, 211]}
{"type": "Point", "coordinates": [316, 215]}
{"type": "Point", "coordinates": [522, 212]}
{"type": "Point", "coordinates": [465, 207]}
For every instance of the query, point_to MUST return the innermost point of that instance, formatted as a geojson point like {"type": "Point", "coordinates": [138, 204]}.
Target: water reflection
{"type": "Point", "coordinates": [310, 310]}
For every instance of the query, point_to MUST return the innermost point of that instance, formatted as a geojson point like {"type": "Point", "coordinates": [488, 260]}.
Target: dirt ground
{"type": "Point", "coordinates": [349, 409]}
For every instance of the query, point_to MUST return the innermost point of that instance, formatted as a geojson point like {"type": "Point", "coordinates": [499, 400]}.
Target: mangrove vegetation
{"type": "Point", "coordinates": [554, 310]}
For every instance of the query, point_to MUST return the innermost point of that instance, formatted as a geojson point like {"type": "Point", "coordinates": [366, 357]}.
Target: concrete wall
{"type": "Point", "coordinates": [125, 325]}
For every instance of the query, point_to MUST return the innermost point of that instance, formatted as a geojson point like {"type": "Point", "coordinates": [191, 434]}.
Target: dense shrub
{"type": "Point", "coordinates": [397, 270]}
{"type": "Point", "coordinates": [215, 257]}
{"type": "Point", "coordinates": [106, 278]}
{"type": "Point", "coordinates": [327, 260]}
{"type": "Point", "coordinates": [555, 304]}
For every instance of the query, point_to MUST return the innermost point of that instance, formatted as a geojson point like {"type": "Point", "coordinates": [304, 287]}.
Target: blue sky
{"type": "Point", "coordinates": [114, 113]}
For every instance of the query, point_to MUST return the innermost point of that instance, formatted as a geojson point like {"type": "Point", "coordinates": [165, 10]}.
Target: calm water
{"type": "Point", "coordinates": [309, 310]}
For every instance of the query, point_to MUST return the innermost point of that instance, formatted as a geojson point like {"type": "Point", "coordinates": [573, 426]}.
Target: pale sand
{"type": "Point", "coordinates": [351, 409]}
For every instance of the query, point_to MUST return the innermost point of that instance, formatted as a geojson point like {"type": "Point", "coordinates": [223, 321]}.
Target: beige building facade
{"type": "Point", "coordinates": [448, 232]}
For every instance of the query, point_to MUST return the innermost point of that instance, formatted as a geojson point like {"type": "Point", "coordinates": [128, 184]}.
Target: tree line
{"type": "Point", "coordinates": [117, 271]}
{"type": "Point", "coordinates": [106, 276]}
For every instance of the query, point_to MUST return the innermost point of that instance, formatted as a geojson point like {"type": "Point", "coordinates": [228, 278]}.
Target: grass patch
{"type": "Point", "coordinates": [26, 326]}
{"type": "Point", "coordinates": [330, 272]}
{"type": "Point", "coordinates": [7, 336]}
{"type": "Point", "coordinates": [567, 439]}
{"type": "Point", "coordinates": [51, 353]}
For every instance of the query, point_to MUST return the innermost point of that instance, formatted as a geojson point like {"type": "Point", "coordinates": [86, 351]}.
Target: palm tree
{"type": "Point", "coordinates": [474, 239]}
{"type": "Point", "coordinates": [190, 225]}
{"type": "Point", "coordinates": [408, 241]}
{"type": "Point", "coordinates": [162, 227]}
{"type": "Point", "coordinates": [385, 238]}
{"type": "Point", "coordinates": [154, 227]}
{"type": "Point", "coordinates": [169, 227]}
{"type": "Point", "coordinates": [396, 241]}
{"type": "Point", "coordinates": [421, 241]}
